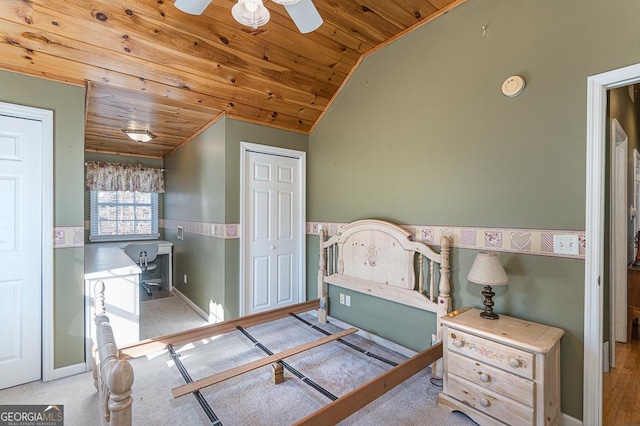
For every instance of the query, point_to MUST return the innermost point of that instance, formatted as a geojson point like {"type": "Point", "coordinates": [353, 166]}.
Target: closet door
{"type": "Point", "coordinates": [20, 250]}
{"type": "Point", "coordinates": [272, 231]}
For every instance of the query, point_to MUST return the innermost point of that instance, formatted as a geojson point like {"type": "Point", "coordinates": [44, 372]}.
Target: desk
{"type": "Point", "coordinates": [633, 297]}
{"type": "Point", "coordinates": [109, 263]}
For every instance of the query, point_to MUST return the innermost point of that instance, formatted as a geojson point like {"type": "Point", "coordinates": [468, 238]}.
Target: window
{"type": "Point", "coordinates": [123, 215]}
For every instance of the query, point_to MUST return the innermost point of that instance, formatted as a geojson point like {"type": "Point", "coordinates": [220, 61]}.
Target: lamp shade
{"type": "Point", "coordinates": [487, 270]}
{"type": "Point", "coordinates": [192, 7]}
{"type": "Point", "coordinates": [251, 13]}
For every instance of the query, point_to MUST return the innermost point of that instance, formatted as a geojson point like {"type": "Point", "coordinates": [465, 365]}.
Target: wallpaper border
{"type": "Point", "coordinates": [508, 240]}
{"type": "Point", "coordinates": [68, 237]}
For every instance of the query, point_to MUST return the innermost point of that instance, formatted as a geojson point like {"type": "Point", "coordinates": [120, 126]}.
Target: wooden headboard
{"type": "Point", "coordinates": [378, 258]}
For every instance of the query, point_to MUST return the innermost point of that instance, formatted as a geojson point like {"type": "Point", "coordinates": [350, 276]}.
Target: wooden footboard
{"type": "Point", "coordinates": [112, 377]}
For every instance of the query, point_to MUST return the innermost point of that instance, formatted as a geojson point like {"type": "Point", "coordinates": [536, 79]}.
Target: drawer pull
{"type": "Point", "coordinates": [484, 377]}
{"type": "Point", "coordinates": [457, 343]}
{"type": "Point", "coordinates": [515, 363]}
{"type": "Point", "coordinates": [484, 402]}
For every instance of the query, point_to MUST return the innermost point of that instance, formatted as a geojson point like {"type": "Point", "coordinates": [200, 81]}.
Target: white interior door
{"type": "Point", "coordinates": [21, 193]}
{"type": "Point", "coordinates": [273, 225]}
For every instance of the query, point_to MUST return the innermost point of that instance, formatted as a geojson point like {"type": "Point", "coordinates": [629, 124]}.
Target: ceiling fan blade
{"type": "Point", "coordinates": [192, 7]}
{"type": "Point", "coordinates": [305, 15]}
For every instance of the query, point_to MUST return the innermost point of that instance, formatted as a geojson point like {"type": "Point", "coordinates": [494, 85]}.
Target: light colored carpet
{"type": "Point", "coordinates": [167, 315]}
{"type": "Point", "coordinates": [251, 399]}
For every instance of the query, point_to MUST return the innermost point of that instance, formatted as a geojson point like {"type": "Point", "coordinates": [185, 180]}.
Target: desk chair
{"type": "Point", "coordinates": [144, 255]}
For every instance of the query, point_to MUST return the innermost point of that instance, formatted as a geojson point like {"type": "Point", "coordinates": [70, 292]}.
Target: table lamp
{"type": "Point", "coordinates": [487, 271]}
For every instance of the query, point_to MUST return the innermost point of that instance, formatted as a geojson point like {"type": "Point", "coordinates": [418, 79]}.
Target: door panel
{"type": "Point", "coordinates": [10, 318]}
{"type": "Point", "coordinates": [260, 283]}
{"type": "Point", "coordinates": [273, 193]}
{"type": "Point", "coordinates": [285, 279]}
{"type": "Point", "coordinates": [20, 250]}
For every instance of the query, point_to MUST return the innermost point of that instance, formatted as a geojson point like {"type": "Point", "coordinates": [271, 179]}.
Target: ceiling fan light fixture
{"type": "Point", "coordinates": [304, 14]}
{"type": "Point", "coordinates": [286, 2]}
{"type": "Point", "coordinates": [192, 7]}
{"type": "Point", "coordinates": [251, 13]}
{"type": "Point", "coordinates": [139, 135]}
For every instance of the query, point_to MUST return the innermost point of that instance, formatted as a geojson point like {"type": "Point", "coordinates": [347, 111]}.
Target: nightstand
{"type": "Point", "coordinates": [504, 371]}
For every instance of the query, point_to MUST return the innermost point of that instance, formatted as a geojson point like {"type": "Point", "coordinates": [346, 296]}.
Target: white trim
{"type": "Point", "coordinates": [197, 309]}
{"type": "Point", "coordinates": [402, 350]}
{"type": "Point", "coordinates": [70, 370]}
{"type": "Point", "coordinates": [570, 421]}
{"type": "Point", "coordinates": [597, 87]}
{"type": "Point", "coordinates": [245, 147]}
{"type": "Point", "coordinates": [46, 117]}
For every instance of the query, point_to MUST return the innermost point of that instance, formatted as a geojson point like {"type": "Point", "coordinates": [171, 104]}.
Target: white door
{"type": "Point", "coordinates": [20, 250]}
{"type": "Point", "coordinates": [273, 225]}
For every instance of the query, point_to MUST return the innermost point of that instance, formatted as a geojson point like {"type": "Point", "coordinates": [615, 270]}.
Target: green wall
{"type": "Point", "coordinates": [67, 104]}
{"type": "Point", "coordinates": [194, 180]}
{"type": "Point", "coordinates": [422, 134]}
{"type": "Point", "coordinates": [203, 185]}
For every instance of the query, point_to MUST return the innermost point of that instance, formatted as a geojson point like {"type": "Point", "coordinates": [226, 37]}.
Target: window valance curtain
{"type": "Point", "coordinates": [123, 177]}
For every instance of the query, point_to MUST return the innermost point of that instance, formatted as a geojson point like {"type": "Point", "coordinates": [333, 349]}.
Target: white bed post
{"type": "Point", "coordinates": [322, 286]}
{"type": "Point", "coordinates": [444, 289]}
{"type": "Point", "coordinates": [444, 298]}
{"type": "Point", "coordinates": [120, 400]}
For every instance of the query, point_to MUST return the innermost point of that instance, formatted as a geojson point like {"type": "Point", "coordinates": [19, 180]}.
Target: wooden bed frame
{"type": "Point", "coordinates": [378, 258]}
{"type": "Point", "coordinates": [369, 256]}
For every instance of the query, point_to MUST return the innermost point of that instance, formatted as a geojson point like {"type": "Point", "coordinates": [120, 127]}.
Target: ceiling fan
{"type": "Point", "coordinates": [252, 13]}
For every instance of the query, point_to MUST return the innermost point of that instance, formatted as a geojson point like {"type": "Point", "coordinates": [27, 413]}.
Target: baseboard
{"type": "Point", "coordinates": [373, 337]}
{"type": "Point", "coordinates": [192, 305]}
{"type": "Point", "coordinates": [570, 421]}
{"type": "Point", "coordinates": [70, 370]}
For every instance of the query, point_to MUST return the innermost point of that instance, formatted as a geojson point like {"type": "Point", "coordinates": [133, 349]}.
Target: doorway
{"type": "Point", "coordinates": [597, 87]}
{"type": "Point", "coordinates": [26, 246]}
{"type": "Point", "coordinates": [272, 240]}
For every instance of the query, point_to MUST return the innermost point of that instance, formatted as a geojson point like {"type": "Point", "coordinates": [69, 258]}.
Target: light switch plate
{"type": "Point", "coordinates": [565, 244]}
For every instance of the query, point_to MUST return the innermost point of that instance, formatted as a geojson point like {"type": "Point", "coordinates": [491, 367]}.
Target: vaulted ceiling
{"type": "Point", "coordinates": [147, 65]}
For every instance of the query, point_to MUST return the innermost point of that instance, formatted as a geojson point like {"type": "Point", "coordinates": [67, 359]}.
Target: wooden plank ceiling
{"type": "Point", "coordinates": [147, 65]}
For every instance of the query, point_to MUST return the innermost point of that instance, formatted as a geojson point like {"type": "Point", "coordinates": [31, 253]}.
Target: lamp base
{"type": "Point", "coordinates": [488, 304]}
{"type": "Point", "coordinates": [489, 315]}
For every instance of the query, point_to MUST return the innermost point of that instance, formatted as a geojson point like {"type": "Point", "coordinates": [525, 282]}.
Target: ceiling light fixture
{"type": "Point", "coordinates": [139, 135]}
{"type": "Point", "coordinates": [251, 13]}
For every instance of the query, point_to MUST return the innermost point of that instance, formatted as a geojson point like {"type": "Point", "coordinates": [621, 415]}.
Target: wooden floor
{"type": "Point", "coordinates": [621, 386]}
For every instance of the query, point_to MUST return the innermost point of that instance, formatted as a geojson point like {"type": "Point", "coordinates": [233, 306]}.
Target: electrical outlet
{"type": "Point", "coordinates": [185, 278]}
{"type": "Point", "coordinates": [347, 300]}
{"type": "Point", "coordinates": [342, 298]}
{"type": "Point", "coordinates": [565, 244]}
{"type": "Point", "coordinates": [180, 232]}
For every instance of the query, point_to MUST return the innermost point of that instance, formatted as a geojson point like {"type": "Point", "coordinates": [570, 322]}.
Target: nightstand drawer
{"type": "Point", "coordinates": [488, 352]}
{"type": "Point", "coordinates": [507, 410]}
{"type": "Point", "coordinates": [492, 378]}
